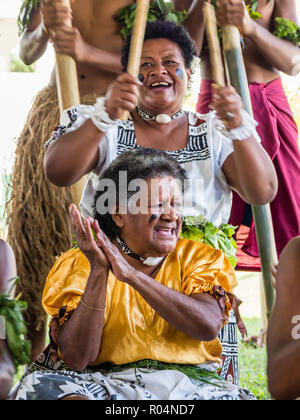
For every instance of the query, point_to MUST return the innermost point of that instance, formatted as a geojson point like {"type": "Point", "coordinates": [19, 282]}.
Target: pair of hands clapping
{"type": "Point", "coordinates": [100, 251]}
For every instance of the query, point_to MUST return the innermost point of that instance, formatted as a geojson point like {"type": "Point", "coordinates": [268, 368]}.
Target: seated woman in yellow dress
{"type": "Point", "coordinates": [136, 311]}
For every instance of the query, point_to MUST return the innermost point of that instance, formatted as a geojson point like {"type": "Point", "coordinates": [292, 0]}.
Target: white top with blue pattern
{"type": "Point", "coordinates": [207, 192]}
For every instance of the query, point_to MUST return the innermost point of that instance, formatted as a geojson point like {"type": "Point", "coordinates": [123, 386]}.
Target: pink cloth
{"type": "Point", "coordinates": [279, 135]}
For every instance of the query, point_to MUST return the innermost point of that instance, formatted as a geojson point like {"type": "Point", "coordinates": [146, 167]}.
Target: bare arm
{"type": "Point", "coordinates": [49, 23]}
{"type": "Point", "coordinates": [34, 40]}
{"type": "Point", "coordinates": [249, 170]}
{"type": "Point", "coordinates": [279, 53]}
{"type": "Point", "coordinates": [198, 316]}
{"type": "Point", "coordinates": [80, 339]}
{"type": "Point", "coordinates": [69, 41]}
{"type": "Point", "coordinates": [283, 335]}
{"type": "Point", "coordinates": [76, 153]}
{"type": "Point", "coordinates": [195, 20]}
{"type": "Point", "coordinates": [50, 17]}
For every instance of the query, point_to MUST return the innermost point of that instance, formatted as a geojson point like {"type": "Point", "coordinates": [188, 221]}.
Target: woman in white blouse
{"type": "Point", "coordinates": [91, 137]}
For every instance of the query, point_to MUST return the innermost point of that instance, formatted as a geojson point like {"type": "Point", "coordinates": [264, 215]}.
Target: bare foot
{"type": "Point", "coordinates": [7, 371]}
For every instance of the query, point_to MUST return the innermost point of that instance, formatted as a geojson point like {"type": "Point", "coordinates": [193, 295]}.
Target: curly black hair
{"type": "Point", "coordinates": [168, 30]}
{"type": "Point", "coordinates": [142, 163]}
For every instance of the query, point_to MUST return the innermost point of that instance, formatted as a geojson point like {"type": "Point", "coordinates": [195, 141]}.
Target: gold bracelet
{"type": "Point", "coordinates": [90, 307]}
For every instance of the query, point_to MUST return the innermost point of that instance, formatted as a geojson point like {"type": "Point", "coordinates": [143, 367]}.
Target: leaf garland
{"type": "Point", "coordinates": [159, 10]}
{"type": "Point", "coordinates": [25, 12]}
{"type": "Point", "coordinates": [15, 328]}
{"type": "Point", "coordinates": [194, 372]}
{"type": "Point", "coordinates": [288, 30]}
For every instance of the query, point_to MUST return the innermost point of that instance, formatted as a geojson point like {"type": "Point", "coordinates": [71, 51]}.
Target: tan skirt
{"type": "Point", "coordinates": [38, 225]}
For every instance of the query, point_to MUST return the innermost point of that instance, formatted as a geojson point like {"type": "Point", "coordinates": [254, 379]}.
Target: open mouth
{"type": "Point", "coordinates": [160, 85]}
{"type": "Point", "coordinates": [165, 232]}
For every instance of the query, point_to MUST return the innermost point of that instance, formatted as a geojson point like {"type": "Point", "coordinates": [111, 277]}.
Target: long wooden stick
{"type": "Point", "coordinates": [214, 44]}
{"type": "Point", "coordinates": [137, 41]}
{"type": "Point", "coordinates": [68, 96]}
{"type": "Point", "coordinates": [237, 76]}
{"type": "Point", "coordinates": [66, 77]}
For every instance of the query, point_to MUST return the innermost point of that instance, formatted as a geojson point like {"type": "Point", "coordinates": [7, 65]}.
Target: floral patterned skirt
{"type": "Point", "coordinates": [131, 384]}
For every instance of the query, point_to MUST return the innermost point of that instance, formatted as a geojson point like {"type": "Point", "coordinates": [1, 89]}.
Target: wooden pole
{"type": "Point", "coordinates": [237, 76]}
{"type": "Point", "coordinates": [68, 96]}
{"type": "Point", "coordinates": [214, 44]}
{"type": "Point", "coordinates": [137, 41]}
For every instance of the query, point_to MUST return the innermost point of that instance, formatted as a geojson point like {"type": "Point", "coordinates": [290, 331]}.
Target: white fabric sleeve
{"type": "Point", "coordinates": [107, 154]}
{"type": "Point", "coordinates": [222, 147]}
{"type": "Point", "coordinates": [70, 120]}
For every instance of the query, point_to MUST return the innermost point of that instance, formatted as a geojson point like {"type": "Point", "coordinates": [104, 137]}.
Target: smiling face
{"type": "Point", "coordinates": [164, 75]}
{"type": "Point", "coordinates": [155, 232]}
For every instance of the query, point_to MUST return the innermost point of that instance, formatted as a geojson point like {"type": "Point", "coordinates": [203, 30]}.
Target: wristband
{"type": "Point", "coordinates": [100, 117]}
{"type": "Point", "coordinates": [243, 132]}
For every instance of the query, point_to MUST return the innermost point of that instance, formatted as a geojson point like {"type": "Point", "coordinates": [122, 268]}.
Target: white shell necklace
{"type": "Point", "coordinates": [149, 261]}
{"type": "Point", "coordinates": [160, 118]}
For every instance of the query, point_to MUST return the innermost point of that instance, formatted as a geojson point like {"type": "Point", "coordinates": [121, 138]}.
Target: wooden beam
{"type": "Point", "coordinates": [68, 96]}
{"type": "Point", "coordinates": [215, 52]}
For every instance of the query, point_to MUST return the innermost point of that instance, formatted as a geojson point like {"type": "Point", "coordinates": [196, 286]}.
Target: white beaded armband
{"type": "Point", "coordinates": [245, 131]}
{"type": "Point", "coordinates": [100, 117]}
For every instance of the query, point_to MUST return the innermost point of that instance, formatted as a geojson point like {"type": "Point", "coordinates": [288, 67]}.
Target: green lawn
{"type": "Point", "coordinates": [253, 362]}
